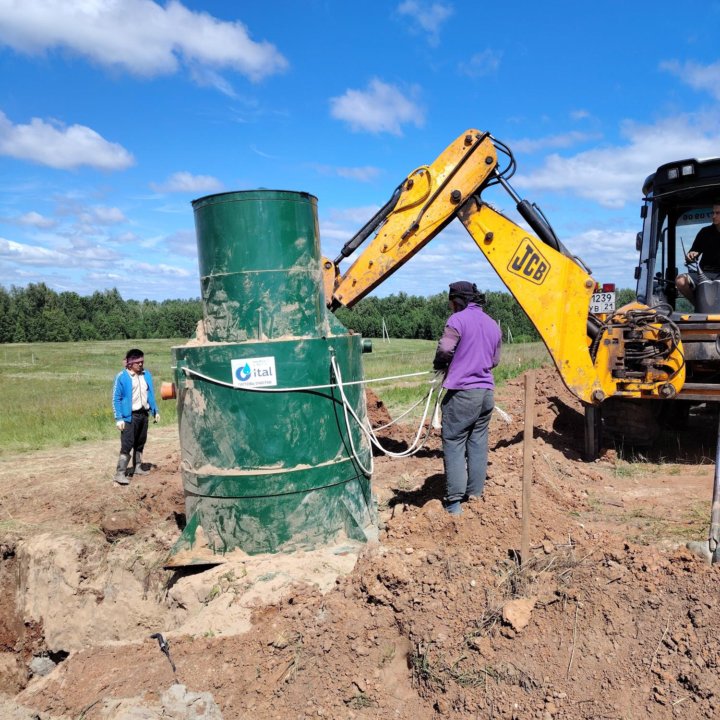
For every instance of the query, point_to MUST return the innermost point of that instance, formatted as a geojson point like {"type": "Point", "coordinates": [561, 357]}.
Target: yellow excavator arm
{"type": "Point", "coordinates": [636, 352]}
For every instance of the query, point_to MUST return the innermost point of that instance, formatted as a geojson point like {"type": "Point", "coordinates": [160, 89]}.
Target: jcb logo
{"type": "Point", "coordinates": [529, 263]}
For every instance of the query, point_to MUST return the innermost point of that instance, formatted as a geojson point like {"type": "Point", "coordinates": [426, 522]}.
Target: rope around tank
{"type": "Point", "coordinates": [368, 431]}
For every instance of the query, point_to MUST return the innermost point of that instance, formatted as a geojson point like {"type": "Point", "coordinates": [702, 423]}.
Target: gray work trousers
{"type": "Point", "coordinates": [465, 420]}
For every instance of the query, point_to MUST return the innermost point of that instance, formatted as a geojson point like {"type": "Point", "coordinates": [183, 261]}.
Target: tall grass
{"type": "Point", "coordinates": [60, 393]}
{"type": "Point", "coordinates": [57, 394]}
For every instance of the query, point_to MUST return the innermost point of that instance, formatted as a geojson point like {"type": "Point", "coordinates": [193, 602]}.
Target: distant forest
{"type": "Point", "coordinates": [38, 314]}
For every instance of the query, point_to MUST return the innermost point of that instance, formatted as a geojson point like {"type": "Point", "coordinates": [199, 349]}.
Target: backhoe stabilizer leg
{"type": "Point", "coordinates": [593, 432]}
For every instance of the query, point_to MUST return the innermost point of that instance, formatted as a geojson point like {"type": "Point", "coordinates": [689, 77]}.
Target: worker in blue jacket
{"type": "Point", "coordinates": [133, 403]}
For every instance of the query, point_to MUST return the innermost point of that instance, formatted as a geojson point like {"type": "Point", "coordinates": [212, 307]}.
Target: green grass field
{"type": "Point", "coordinates": [60, 393]}
{"type": "Point", "coordinates": [398, 357]}
{"type": "Point", "coordinates": [57, 394]}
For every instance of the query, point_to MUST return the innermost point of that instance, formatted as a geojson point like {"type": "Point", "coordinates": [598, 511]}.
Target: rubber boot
{"type": "Point", "coordinates": [454, 508]}
{"type": "Point", "coordinates": [137, 465]}
{"type": "Point", "coordinates": [122, 465]}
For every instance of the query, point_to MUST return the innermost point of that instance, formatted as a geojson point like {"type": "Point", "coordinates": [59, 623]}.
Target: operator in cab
{"type": "Point", "coordinates": [467, 352]}
{"type": "Point", "coordinates": [706, 246]}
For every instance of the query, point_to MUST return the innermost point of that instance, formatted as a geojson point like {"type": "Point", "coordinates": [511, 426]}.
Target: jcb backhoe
{"type": "Point", "coordinates": [631, 361]}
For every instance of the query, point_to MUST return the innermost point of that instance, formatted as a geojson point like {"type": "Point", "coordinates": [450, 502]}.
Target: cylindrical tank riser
{"type": "Point", "coordinates": [267, 467]}
{"type": "Point", "coordinates": [269, 284]}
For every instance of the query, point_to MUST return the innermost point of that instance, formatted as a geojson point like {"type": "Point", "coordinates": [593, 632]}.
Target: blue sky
{"type": "Point", "coordinates": [115, 114]}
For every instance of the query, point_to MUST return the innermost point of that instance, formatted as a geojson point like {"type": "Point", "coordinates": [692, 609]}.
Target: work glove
{"type": "Point", "coordinates": [157, 418]}
{"type": "Point", "coordinates": [120, 425]}
{"type": "Point", "coordinates": [437, 417]}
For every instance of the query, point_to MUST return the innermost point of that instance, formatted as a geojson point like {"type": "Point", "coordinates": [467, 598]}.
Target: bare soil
{"type": "Point", "coordinates": [609, 617]}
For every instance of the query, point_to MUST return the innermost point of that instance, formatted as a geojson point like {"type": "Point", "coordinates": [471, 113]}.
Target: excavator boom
{"type": "Point", "coordinates": [427, 200]}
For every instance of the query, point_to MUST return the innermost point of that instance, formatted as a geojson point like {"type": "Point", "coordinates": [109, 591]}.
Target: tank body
{"type": "Point", "coordinates": [269, 461]}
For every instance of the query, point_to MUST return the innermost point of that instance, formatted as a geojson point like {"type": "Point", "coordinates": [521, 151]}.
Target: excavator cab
{"type": "Point", "coordinates": [678, 201]}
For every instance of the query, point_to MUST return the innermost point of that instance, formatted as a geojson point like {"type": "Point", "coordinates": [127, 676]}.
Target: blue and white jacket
{"type": "Point", "coordinates": [122, 395]}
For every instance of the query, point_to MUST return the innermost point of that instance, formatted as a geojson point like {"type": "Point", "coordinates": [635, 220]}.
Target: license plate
{"type": "Point", "coordinates": [603, 302]}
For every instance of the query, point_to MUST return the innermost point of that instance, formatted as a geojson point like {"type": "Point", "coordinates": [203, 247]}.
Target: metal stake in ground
{"type": "Point", "coordinates": [710, 550]}
{"type": "Point", "coordinates": [714, 539]}
{"type": "Point", "coordinates": [527, 464]}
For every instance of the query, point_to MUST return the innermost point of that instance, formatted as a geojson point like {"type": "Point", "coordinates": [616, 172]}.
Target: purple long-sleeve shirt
{"type": "Point", "coordinates": [470, 346]}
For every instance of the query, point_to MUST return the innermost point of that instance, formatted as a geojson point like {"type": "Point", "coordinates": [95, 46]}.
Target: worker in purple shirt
{"type": "Point", "coordinates": [468, 350]}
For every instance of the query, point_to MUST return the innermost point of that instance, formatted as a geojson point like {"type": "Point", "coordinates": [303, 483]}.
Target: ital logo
{"type": "Point", "coordinates": [253, 372]}
{"type": "Point", "coordinates": [529, 263]}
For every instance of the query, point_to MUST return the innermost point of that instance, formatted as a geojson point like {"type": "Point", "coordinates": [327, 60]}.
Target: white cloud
{"type": "Point", "coordinates": [187, 182]}
{"type": "Point", "coordinates": [612, 175]}
{"type": "Point", "coordinates": [339, 225]}
{"type": "Point", "coordinates": [110, 277]}
{"type": "Point", "coordinates": [93, 255]}
{"type": "Point", "coordinates": [108, 215]}
{"type": "Point", "coordinates": [353, 216]}
{"type": "Point", "coordinates": [263, 154]}
{"type": "Point", "coordinates": [32, 254]}
{"type": "Point", "coordinates": [37, 220]}
{"type": "Point", "coordinates": [379, 108]}
{"type": "Point", "coordinates": [205, 77]}
{"type": "Point", "coordinates": [126, 237]}
{"type": "Point", "coordinates": [426, 17]}
{"type": "Point", "coordinates": [483, 63]}
{"type": "Point", "coordinates": [182, 243]}
{"type": "Point", "coordinates": [162, 270]}
{"type": "Point", "coordinates": [563, 140]}
{"type": "Point", "coordinates": [140, 36]}
{"type": "Point", "coordinates": [610, 254]}
{"type": "Point", "coordinates": [699, 77]}
{"type": "Point", "coordinates": [57, 146]}
{"type": "Point", "coordinates": [361, 174]}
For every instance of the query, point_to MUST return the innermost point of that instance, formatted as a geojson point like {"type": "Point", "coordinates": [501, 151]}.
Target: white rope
{"type": "Point", "coordinates": [369, 432]}
{"type": "Point", "coordinates": [196, 373]}
{"type": "Point", "coordinates": [505, 416]}
{"type": "Point", "coordinates": [346, 405]}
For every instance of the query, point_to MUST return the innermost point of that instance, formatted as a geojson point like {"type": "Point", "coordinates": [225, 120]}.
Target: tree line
{"type": "Point", "coordinates": [38, 314]}
{"type": "Point", "coordinates": [423, 318]}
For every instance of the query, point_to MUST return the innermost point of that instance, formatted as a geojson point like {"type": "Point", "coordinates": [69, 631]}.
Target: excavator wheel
{"type": "Point", "coordinates": [630, 421]}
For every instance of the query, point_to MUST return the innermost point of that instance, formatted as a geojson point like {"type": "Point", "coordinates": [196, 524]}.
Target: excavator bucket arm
{"type": "Point", "coordinates": [428, 200]}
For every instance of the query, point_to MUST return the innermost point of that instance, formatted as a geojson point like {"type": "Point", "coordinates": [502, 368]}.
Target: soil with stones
{"type": "Point", "coordinates": [609, 616]}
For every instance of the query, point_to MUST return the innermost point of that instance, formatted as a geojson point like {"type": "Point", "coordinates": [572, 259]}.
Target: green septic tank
{"type": "Point", "coordinates": [267, 467]}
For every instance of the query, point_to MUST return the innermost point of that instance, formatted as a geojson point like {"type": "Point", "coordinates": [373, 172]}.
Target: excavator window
{"type": "Point", "coordinates": [689, 223]}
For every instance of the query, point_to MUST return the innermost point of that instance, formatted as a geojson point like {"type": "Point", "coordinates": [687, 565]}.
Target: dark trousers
{"type": "Point", "coordinates": [465, 419]}
{"type": "Point", "coordinates": [134, 436]}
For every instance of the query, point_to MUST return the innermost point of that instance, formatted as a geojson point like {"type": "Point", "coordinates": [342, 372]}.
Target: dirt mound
{"type": "Point", "coordinates": [610, 617]}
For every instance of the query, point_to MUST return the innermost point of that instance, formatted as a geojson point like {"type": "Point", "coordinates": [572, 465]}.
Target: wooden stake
{"type": "Point", "coordinates": [527, 464]}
